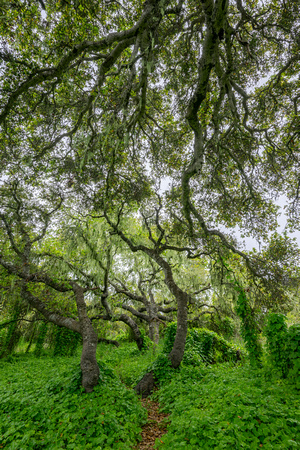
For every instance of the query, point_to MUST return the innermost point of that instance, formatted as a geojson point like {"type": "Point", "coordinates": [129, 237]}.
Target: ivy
{"type": "Point", "coordinates": [66, 342]}
{"type": "Point", "coordinates": [170, 334]}
{"type": "Point", "coordinates": [13, 334]}
{"type": "Point", "coordinates": [293, 353]}
{"type": "Point", "coordinates": [147, 343]}
{"type": "Point", "coordinates": [283, 346]}
{"type": "Point", "coordinates": [249, 329]}
{"type": "Point", "coordinates": [42, 331]}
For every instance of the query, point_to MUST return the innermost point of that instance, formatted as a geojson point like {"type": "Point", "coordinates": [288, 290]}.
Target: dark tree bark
{"type": "Point", "coordinates": [146, 385]}
{"type": "Point", "coordinates": [122, 318]}
{"type": "Point", "coordinates": [89, 367]}
{"type": "Point", "coordinates": [182, 298]}
{"type": "Point", "coordinates": [154, 322]}
{"type": "Point", "coordinates": [137, 335]}
{"type": "Point", "coordinates": [135, 329]}
{"type": "Point", "coordinates": [177, 352]}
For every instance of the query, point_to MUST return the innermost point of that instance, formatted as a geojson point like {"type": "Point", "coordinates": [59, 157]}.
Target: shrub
{"type": "Point", "coordinates": [66, 342]}
{"type": "Point", "coordinates": [205, 346]}
{"type": "Point", "coordinates": [170, 334]}
{"type": "Point", "coordinates": [283, 347]}
{"type": "Point", "coordinates": [226, 326]}
{"type": "Point", "coordinates": [276, 334]}
{"type": "Point", "coordinates": [42, 331]}
{"type": "Point", "coordinates": [293, 353]}
{"type": "Point", "coordinates": [249, 329]}
{"type": "Point", "coordinates": [127, 361]}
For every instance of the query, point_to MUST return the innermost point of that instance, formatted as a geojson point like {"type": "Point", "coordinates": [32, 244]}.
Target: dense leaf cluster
{"type": "Point", "coordinates": [283, 345]}
{"type": "Point", "coordinates": [43, 406]}
{"type": "Point", "coordinates": [225, 407]}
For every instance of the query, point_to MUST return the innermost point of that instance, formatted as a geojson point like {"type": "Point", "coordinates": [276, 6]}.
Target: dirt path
{"type": "Point", "coordinates": [155, 426]}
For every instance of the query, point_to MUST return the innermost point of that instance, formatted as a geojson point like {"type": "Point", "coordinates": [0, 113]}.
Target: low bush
{"type": "Point", "coordinates": [283, 348]}
{"type": "Point", "coordinates": [66, 341]}
{"type": "Point", "coordinates": [206, 346]}
{"type": "Point", "coordinates": [293, 353]}
{"type": "Point", "coordinates": [203, 346]}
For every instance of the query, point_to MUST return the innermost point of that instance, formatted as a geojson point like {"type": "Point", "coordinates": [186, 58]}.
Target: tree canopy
{"type": "Point", "coordinates": [104, 103]}
{"type": "Point", "coordinates": [100, 100]}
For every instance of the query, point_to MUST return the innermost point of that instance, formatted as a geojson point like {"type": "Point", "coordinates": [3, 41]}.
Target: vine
{"type": "Point", "coordinates": [276, 334]}
{"type": "Point", "coordinates": [248, 328]}
{"type": "Point", "coordinates": [283, 345]}
{"type": "Point", "coordinates": [42, 331]}
{"type": "Point", "coordinates": [13, 334]}
{"type": "Point", "coordinates": [66, 342]}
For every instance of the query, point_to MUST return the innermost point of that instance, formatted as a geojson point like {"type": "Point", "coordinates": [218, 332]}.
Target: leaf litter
{"type": "Point", "coordinates": [155, 427]}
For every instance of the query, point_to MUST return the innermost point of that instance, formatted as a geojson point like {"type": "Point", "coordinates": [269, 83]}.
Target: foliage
{"type": "Point", "coordinates": [43, 406]}
{"type": "Point", "coordinates": [169, 337]}
{"type": "Point", "coordinates": [293, 353]}
{"type": "Point", "coordinates": [276, 334]}
{"type": "Point", "coordinates": [147, 343]}
{"type": "Point", "coordinates": [66, 342]}
{"type": "Point", "coordinates": [225, 326]}
{"type": "Point", "coordinates": [42, 331]}
{"type": "Point", "coordinates": [249, 329]}
{"type": "Point", "coordinates": [13, 334]}
{"type": "Point", "coordinates": [212, 407]}
{"type": "Point", "coordinates": [100, 103]}
{"type": "Point", "coordinates": [283, 345]}
{"type": "Point", "coordinates": [203, 346]}
{"type": "Point", "coordinates": [162, 369]}
{"type": "Point", "coordinates": [225, 407]}
{"type": "Point", "coordinates": [206, 346]}
{"type": "Point", "coordinates": [127, 361]}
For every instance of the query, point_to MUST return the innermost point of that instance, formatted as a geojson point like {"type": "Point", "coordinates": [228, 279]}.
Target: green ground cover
{"type": "Point", "coordinates": [127, 362]}
{"type": "Point", "coordinates": [223, 406]}
{"type": "Point", "coordinates": [227, 407]}
{"type": "Point", "coordinates": [43, 406]}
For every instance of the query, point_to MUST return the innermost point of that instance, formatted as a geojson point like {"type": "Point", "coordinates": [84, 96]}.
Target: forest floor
{"type": "Point", "coordinates": [155, 427]}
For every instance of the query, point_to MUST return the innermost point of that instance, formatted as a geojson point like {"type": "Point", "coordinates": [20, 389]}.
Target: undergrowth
{"type": "Point", "coordinates": [127, 361]}
{"type": "Point", "coordinates": [229, 407]}
{"type": "Point", "coordinates": [43, 406]}
{"type": "Point", "coordinates": [220, 406]}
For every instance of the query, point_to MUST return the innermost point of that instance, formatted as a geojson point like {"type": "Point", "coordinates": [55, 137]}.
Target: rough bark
{"type": "Point", "coordinates": [135, 329]}
{"type": "Point", "coordinates": [154, 331]}
{"type": "Point", "coordinates": [89, 367]}
{"type": "Point", "coordinates": [88, 364]}
{"type": "Point", "coordinates": [51, 316]}
{"type": "Point", "coordinates": [181, 296]}
{"type": "Point", "coordinates": [177, 352]}
{"type": "Point", "coordinates": [146, 385]}
{"type": "Point", "coordinates": [123, 318]}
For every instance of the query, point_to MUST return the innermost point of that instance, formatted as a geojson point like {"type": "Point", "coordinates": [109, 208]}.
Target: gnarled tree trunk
{"type": "Point", "coordinates": [122, 318]}
{"type": "Point", "coordinates": [89, 367]}
{"type": "Point", "coordinates": [177, 351]}
{"type": "Point", "coordinates": [135, 329]}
